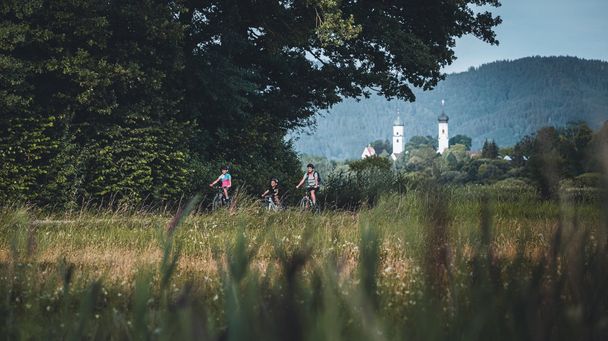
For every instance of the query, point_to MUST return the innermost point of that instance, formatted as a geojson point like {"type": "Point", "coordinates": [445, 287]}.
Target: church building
{"type": "Point", "coordinates": [368, 151]}
{"type": "Point", "coordinates": [443, 138]}
{"type": "Point", "coordinates": [398, 142]}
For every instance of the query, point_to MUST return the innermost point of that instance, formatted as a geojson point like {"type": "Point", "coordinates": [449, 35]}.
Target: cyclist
{"type": "Point", "coordinates": [274, 192]}
{"type": "Point", "coordinates": [311, 178]}
{"type": "Point", "coordinates": [226, 180]}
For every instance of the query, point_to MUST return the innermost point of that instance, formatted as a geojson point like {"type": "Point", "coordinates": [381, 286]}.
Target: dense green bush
{"type": "Point", "coordinates": [585, 187]}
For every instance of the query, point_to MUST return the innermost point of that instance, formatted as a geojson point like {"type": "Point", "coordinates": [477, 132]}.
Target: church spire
{"type": "Point", "coordinates": [398, 121]}
{"type": "Point", "coordinates": [398, 131]}
{"type": "Point", "coordinates": [443, 117]}
{"type": "Point", "coordinates": [443, 137]}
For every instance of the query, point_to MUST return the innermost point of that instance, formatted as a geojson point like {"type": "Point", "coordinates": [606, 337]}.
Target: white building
{"type": "Point", "coordinates": [443, 137]}
{"type": "Point", "coordinates": [368, 151]}
{"type": "Point", "coordinates": [398, 143]}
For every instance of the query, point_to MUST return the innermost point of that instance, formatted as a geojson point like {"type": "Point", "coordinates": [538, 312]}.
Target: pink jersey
{"type": "Point", "coordinates": [226, 180]}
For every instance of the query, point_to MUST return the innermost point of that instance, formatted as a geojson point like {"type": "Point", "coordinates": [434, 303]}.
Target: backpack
{"type": "Point", "coordinates": [319, 178]}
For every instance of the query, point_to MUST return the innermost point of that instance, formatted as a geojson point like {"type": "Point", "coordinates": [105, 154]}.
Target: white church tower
{"type": "Point", "coordinates": [443, 130]}
{"type": "Point", "coordinates": [398, 143]}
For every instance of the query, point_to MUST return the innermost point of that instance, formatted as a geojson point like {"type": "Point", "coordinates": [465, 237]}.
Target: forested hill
{"type": "Point", "coordinates": [503, 100]}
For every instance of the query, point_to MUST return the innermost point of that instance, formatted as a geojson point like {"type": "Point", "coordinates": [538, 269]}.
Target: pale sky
{"type": "Point", "coordinates": [541, 28]}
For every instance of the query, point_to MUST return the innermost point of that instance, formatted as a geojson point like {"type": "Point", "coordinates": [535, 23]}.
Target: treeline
{"type": "Point", "coordinates": [564, 162]}
{"type": "Point", "coordinates": [504, 101]}
{"type": "Point", "coordinates": [134, 101]}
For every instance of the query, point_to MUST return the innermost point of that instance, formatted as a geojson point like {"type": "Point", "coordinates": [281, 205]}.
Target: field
{"type": "Point", "coordinates": [441, 263]}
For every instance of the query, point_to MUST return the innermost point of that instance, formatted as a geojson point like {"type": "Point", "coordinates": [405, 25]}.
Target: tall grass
{"type": "Point", "coordinates": [435, 263]}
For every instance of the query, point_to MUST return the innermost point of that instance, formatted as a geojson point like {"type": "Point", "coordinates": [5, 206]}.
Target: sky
{"type": "Point", "coordinates": [540, 28]}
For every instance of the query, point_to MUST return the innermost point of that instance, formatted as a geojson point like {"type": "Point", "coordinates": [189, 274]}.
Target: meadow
{"type": "Point", "coordinates": [436, 263]}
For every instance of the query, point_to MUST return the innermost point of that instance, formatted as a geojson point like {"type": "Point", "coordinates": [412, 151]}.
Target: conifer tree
{"type": "Point", "coordinates": [489, 150]}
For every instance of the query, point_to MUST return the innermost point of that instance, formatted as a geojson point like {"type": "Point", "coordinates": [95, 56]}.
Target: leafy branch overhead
{"type": "Point", "coordinates": [332, 27]}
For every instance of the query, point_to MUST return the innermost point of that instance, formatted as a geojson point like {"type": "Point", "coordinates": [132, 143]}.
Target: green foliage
{"type": "Point", "coordinates": [544, 160]}
{"type": "Point", "coordinates": [554, 154]}
{"type": "Point", "coordinates": [135, 162]}
{"type": "Point", "coordinates": [575, 139]}
{"type": "Point", "coordinates": [365, 186]}
{"type": "Point", "coordinates": [598, 148]}
{"type": "Point", "coordinates": [489, 150]}
{"type": "Point", "coordinates": [381, 146]}
{"type": "Point", "coordinates": [488, 171]}
{"type": "Point", "coordinates": [585, 187]}
{"type": "Point", "coordinates": [461, 139]}
{"type": "Point", "coordinates": [99, 119]}
{"type": "Point", "coordinates": [253, 175]}
{"type": "Point", "coordinates": [370, 163]}
{"type": "Point", "coordinates": [138, 101]}
{"type": "Point", "coordinates": [458, 151]}
{"type": "Point", "coordinates": [421, 158]}
{"type": "Point", "coordinates": [322, 164]}
{"type": "Point", "coordinates": [332, 27]}
{"type": "Point", "coordinates": [421, 141]}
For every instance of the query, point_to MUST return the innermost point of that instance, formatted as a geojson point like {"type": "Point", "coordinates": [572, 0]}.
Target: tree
{"type": "Point", "coordinates": [545, 164]}
{"type": "Point", "coordinates": [421, 158]}
{"type": "Point", "coordinates": [459, 151]}
{"type": "Point", "coordinates": [551, 155]}
{"type": "Point", "coordinates": [523, 149]}
{"type": "Point", "coordinates": [420, 141]}
{"type": "Point", "coordinates": [451, 161]}
{"type": "Point", "coordinates": [574, 145]}
{"type": "Point", "coordinates": [489, 150]}
{"type": "Point", "coordinates": [96, 90]}
{"type": "Point", "coordinates": [598, 161]}
{"type": "Point", "coordinates": [269, 67]}
{"type": "Point", "coordinates": [370, 163]}
{"type": "Point", "coordinates": [146, 97]}
{"type": "Point", "coordinates": [382, 146]}
{"type": "Point", "coordinates": [462, 139]}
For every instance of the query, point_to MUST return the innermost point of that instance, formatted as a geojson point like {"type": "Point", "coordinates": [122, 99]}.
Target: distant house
{"type": "Point", "coordinates": [507, 158]}
{"type": "Point", "coordinates": [368, 151]}
{"type": "Point", "coordinates": [474, 154]}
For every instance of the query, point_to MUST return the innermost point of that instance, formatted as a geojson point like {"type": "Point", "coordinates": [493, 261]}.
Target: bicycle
{"type": "Point", "coordinates": [269, 204]}
{"type": "Point", "coordinates": [219, 200]}
{"type": "Point", "coordinates": [307, 204]}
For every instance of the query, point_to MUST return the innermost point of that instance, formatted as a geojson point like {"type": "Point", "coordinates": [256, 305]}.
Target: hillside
{"type": "Point", "coordinates": [502, 100]}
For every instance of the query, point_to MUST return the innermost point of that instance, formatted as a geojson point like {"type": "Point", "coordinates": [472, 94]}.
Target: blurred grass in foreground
{"type": "Point", "coordinates": [433, 264]}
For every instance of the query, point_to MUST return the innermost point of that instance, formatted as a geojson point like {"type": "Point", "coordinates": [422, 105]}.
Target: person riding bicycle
{"type": "Point", "coordinates": [311, 178]}
{"type": "Point", "coordinates": [274, 192]}
{"type": "Point", "coordinates": [226, 180]}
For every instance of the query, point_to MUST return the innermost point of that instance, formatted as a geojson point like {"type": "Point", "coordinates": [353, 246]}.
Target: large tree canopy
{"type": "Point", "coordinates": [143, 99]}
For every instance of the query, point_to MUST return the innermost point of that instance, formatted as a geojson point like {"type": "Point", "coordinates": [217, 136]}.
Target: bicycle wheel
{"type": "Point", "coordinates": [218, 201]}
{"type": "Point", "coordinates": [304, 203]}
{"type": "Point", "coordinates": [266, 204]}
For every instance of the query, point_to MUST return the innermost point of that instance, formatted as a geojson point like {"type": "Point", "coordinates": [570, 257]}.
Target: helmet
{"type": "Point", "coordinates": [275, 180]}
{"type": "Point", "coordinates": [224, 167]}
{"type": "Point", "coordinates": [310, 165]}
